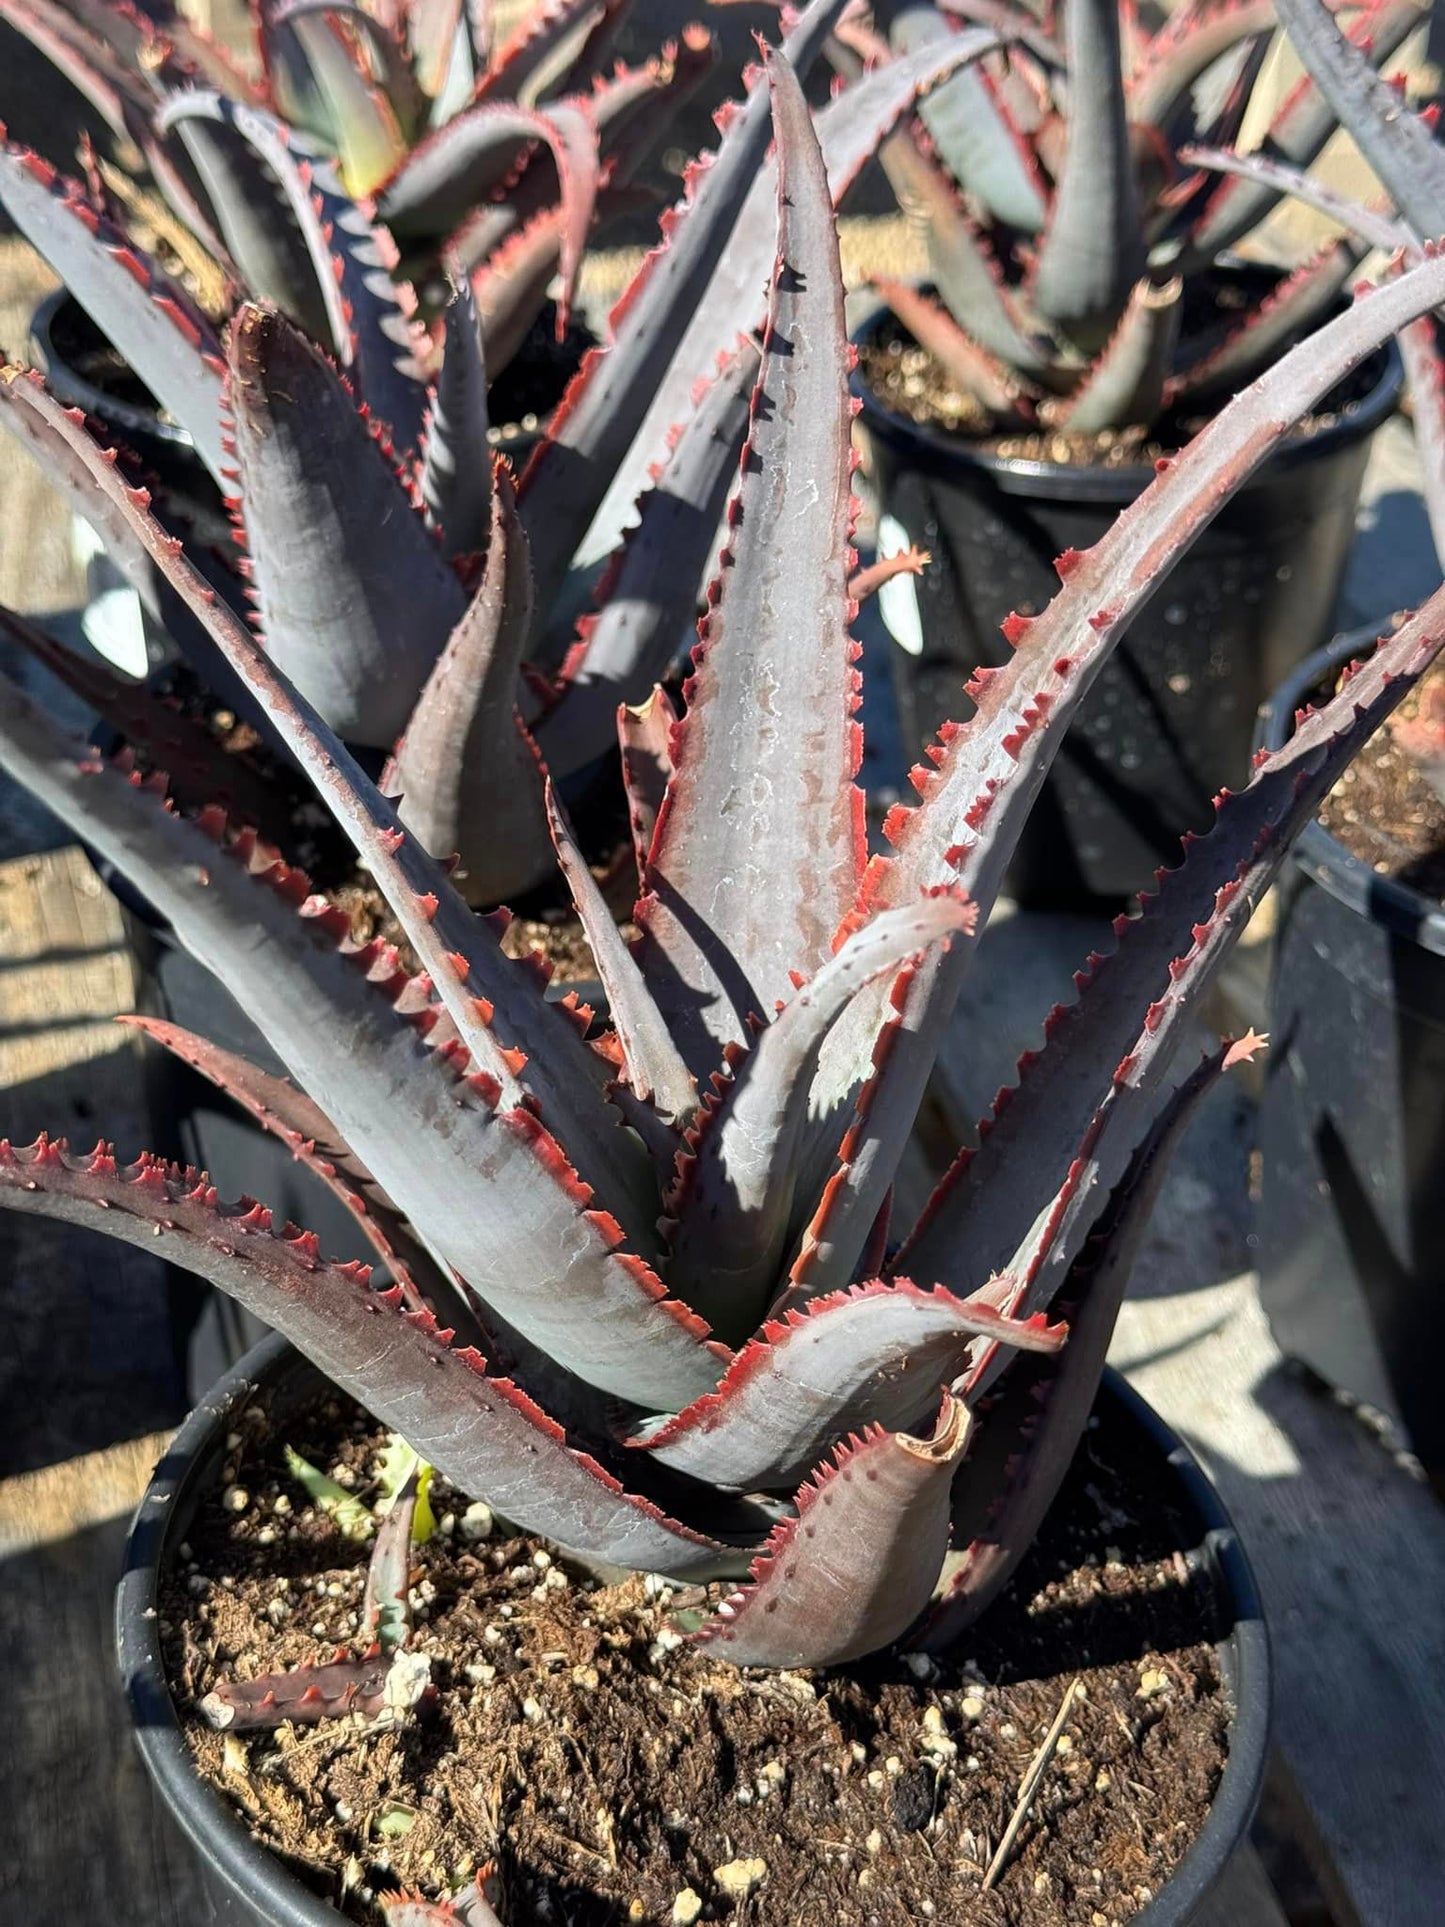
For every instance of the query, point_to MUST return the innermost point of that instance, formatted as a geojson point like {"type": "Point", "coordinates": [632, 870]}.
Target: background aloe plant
{"type": "Point", "coordinates": [481, 159]}
{"type": "Point", "coordinates": [684, 1340]}
{"type": "Point", "coordinates": [1402, 147]}
{"type": "Point", "coordinates": [1074, 243]}
{"type": "Point", "coordinates": [351, 449]}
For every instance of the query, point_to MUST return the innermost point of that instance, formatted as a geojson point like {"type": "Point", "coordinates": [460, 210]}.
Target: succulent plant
{"type": "Point", "coordinates": [368, 509]}
{"type": "Point", "coordinates": [345, 131]}
{"type": "Point", "coordinates": [1074, 242]}
{"type": "Point", "coordinates": [684, 1341]}
{"type": "Point", "coordinates": [1402, 148]}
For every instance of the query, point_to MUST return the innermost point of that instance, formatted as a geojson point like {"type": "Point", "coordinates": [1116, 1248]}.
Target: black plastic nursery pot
{"type": "Point", "coordinates": [250, 1887]}
{"type": "Point", "coordinates": [1171, 716]}
{"type": "Point", "coordinates": [1352, 1126]}
{"type": "Point", "coordinates": [86, 372]}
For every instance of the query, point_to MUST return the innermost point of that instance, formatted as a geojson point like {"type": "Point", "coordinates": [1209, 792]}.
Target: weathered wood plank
{"type": "Point", "coordinates": [87, 1840]}
{"type": "Point", "coordinates": [1349, 1551]}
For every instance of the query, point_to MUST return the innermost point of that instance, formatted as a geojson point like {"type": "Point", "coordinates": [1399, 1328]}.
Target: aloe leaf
{"type": "Point", "coordinates": [291, 88]}
{"type": "Point", "coordinates": [1092, 250]}
{"type": "Point", "coordinates": [366, 327]}
{"type": "Point", "coordinates": [386, 1608]}
{"type": "Point", "coordinates": [152, 321]}
{"type": "Point", "coordinates": [1369, 224]}
{"type": "Point", "coordinates": [1301, 300]}
{"type": "Point", "coordinates": [1183, 51]}
{"type": "Point", "coordinates": [992, 383]}
{"type": "Point", "coordinates": [1030, 1431]}
{"type": "Point", "coordinates": [364, 1687]}
{"type": "Point", "coordinates": [645, 737]}
{"type": "Point", "coordinates": [432, 29]}
{"type": "Point", "coordinates": [354, 595]}
{"type": "Point", "coordinates": [254, 217]}
{"type": "Point", "coordinates": [731, 1204]}
{"type": "Point", "coordinates": [580, 458]}
{"type": "Point", "coordinates": [367, 139]}
{"type": "Point", "coordinates": [466, 1909]}
{"type": "Point", "coordinates": [1425, 373]}
{"type": "Point", "coordinates": [1398, 144]}
{"type": "Point", "coordinates": [202, 54]}
{"type": "Point", "coordinates": [353, 1517]}
{"type": "Point", "coordinates": [974, 139]}
{"type": "Point", "coordinates": [480, 1432]}
{"type": "Point", "coordinates": [456, 469]}
{"type": "Point", "coordinates": [850, 130]}
{"type": "Point", "coordinates": [987, 771]}
{"type": "Point", "coordinates": [510, 285]}
{"type": "Point", "coordinates": [200, 769]}
{"type": "Point", "coordinates": [468, 777]}
{"type": "Point", "coordinates": [1089, 1092]}
{"type": "Point", "coordinates": [300, 1123]}
{"type": "Point", "coordinates": [1127, 382]}
{"type": "Point", "coordinates": [654, 1068]}
{"type": "Point", "coordinates": [379, 62]}
{"type": "Point", "coordinates": [521, 63]}
{"type": "Point", "coordinates": [648, 596]}
{"type": "Point", "coordinates": [878, 1352]}
{"type": "Point", "coordinates": [856, 1566]}
{"type": "Point", "coordinates": [596, 57]}
{"type": "Point", "coordinates": [747, 802]}
{"type": "Point", "coordinates": [84, 60]}
{"type": "Point", "coordinates": [1303, 123]}
{"type": "Point", "coordinates": [965, 269]}
{"type": "Point", "coordinates": [443, 178]}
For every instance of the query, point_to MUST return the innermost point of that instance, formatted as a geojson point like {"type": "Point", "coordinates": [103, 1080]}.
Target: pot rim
{"type": "Point", "coordinates": [1398, 907]}
{"type": "Point", "coordinates": [282, 1900]}
{"type": "Point", "coordinates": [937, 450]}
{"type": "Point", "coordinates": [77, 392]}
{"type": "Point", "coordinates": [511, 438]}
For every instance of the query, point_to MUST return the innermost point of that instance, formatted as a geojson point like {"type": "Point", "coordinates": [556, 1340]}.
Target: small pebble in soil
{"type": "Point", "coordinates": [740, 1878]}
{"type": "Point", "coordinates": [935, 1740]}
{"type": "Point", "coordinates": [477, 1523]}
{"type": "Point", "coordinates": [235, 1498]}
{"type": "Point", "coordinates": [687, 1908]}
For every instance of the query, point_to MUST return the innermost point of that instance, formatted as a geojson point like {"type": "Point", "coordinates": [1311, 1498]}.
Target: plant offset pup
{"type": "Point", "coordinates": [1067, 235]}
{"type": "Point", "coordinates": [690, 1351]}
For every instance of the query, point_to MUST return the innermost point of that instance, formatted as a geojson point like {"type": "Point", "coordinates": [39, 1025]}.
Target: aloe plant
{"type": "Point", "coordinates": [643, 1293]}
{"type": "Point", "coordinates": [1402, 147]}
{"type": "Point", "coordinates": [1074, 241]}
{"type": "Point", "coordinates": [418, 600]}
{"type": "Point", "coordinates": [481, 158]}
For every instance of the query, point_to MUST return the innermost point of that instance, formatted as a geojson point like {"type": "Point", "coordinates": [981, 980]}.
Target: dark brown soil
{"type": "Point", "coordinates": [607, 1769]}
{"type": "Point", "coordinates": [1384, 810]}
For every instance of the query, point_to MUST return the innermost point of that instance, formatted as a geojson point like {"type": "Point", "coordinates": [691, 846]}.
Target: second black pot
{"type": "Point", "coordinates": [249, 1887]}
{"type": "Point", "coordinates": [1171, 716]}
{"type": "Point", "coordinates": [1352, 1125]}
